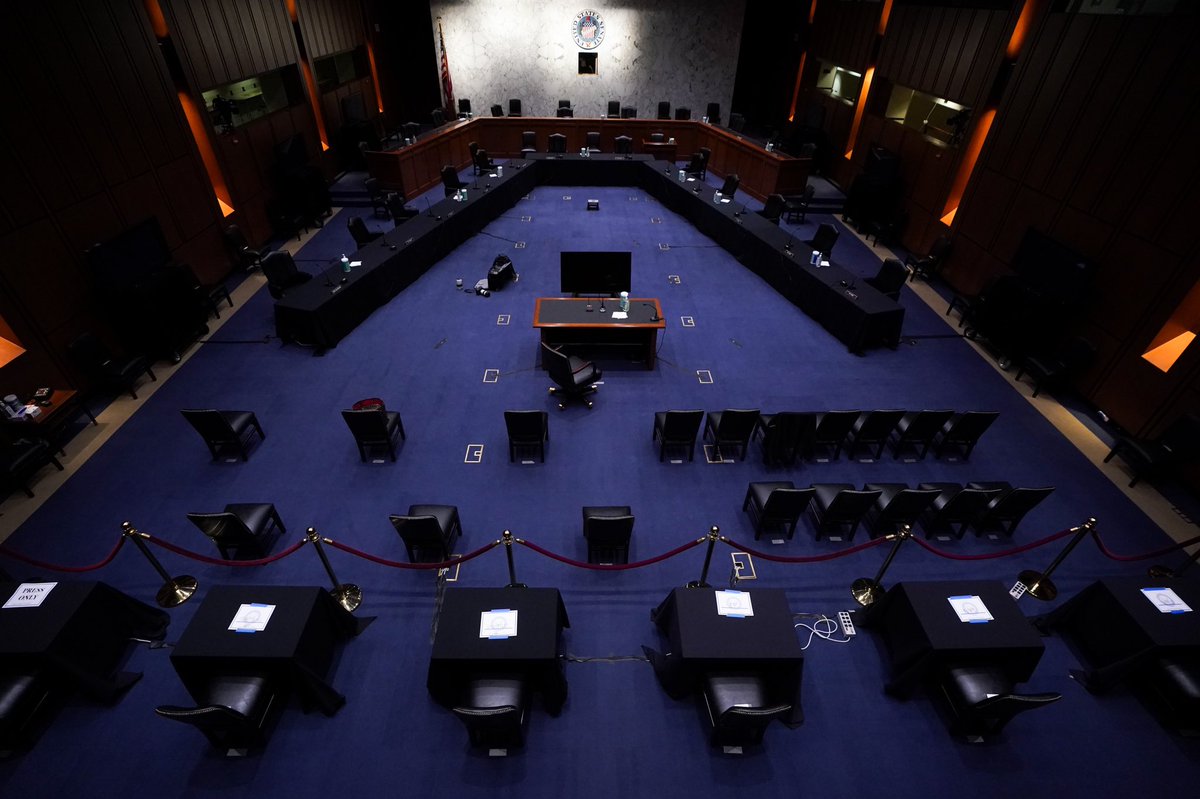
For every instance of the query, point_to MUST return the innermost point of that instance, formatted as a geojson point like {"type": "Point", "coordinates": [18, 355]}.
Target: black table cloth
{"type": "Point", "coordinates": [294, 651]}
{"type": "Point", "coordinates": [78, 636]}
{"type": "Point", "coordinates": [459, 653]}
{"type": "Point", "coordinates": [703, 641]}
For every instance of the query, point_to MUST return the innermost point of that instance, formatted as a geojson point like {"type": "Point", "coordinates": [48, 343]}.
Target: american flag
{"type": "Point", "coordinates": [447, 85]}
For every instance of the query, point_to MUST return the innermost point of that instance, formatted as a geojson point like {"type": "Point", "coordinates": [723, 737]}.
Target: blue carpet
{"type": "Point", "coordinates": [425, 354]}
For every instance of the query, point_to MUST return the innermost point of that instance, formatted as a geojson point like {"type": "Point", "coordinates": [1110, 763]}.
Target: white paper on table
{"type": "Point", "coordinates": [1165, 599]}
{"type": "Point", "coordinates": [970, 609]}
{"type": "Point", "coordinates": [735, 604]}
{"type": "Point", "coordinates": [498, 624]}
{"type": "Point", "coordinates": [619, 315]}
{"type": "Point", "coordinates": [251, 618]}
{"type": "Point", "coordinates": [29, 595]}
{"type": "Point", "coordinates": [726, 200]}
{"type": "Point", "coordinates": [356, 263]}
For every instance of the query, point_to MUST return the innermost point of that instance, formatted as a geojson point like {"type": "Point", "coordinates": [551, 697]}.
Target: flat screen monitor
{"type": "Point", "coordinates": [595, 272]}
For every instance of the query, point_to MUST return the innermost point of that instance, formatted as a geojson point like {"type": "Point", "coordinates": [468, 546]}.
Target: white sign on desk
{"type": "Point", "coordinates": [29, 595]}
{"type": "Point", "coordinates": [970, 609]}
{"type": "Point", "coordinates": [251, 618]}
{"type": "Point", "coordinates": [498, 624]}
{"type": "Point", "coordinates": [734, 604]}
{"type": "Point", "coordinates": [1166, 600]}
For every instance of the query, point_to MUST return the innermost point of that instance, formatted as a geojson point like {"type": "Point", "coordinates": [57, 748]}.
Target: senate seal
{"type": "Point", "coordinates": [587, 30]}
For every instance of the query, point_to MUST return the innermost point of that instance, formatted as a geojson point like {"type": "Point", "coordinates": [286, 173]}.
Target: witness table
{"type": "Point", "coordinates": [459, 652]}
{"type": "Point", "coordinates": [571, 321]}
{"type": "Point", "coordinates": [704, 641]}
{"type": "Point", "coordinates": [923, 632]}
{"type": "Point", "coordinates": [294, 650]}
{"type": "Point", "coordinates": [78, 635]}
{"type": "Point", "coordinates": [1118, 628]}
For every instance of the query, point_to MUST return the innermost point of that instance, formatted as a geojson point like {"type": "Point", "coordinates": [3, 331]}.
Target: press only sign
{"type": "Point", "coordinates": [29, 595]}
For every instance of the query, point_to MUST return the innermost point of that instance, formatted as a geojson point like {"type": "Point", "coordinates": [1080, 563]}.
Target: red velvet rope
{"type": "Point", "coordinates": [73, 569]}
{"type": "Point", "coordinates": [611, 567]}
{"type": "Point", "coordinates": [1155, 554]}
{"type": "Point", "coordinates": [187, 553]}
{"type": "Point", "coordinates": [1002, 554]}
{"type": "Point", "coordinates": [841, 553]}
{"type": "Point", "coordinates": [396, 564]}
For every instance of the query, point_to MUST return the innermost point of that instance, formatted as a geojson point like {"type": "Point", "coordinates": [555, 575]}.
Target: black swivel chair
{"type": "Point", "coordinates": [556, 143]}
{"type": "Point", "coordinates": [409, 130]}
{"type": "Point", "coordinates": [282, 273]}
{"type": "Point", "coordinates": [398, 210]}
{"type": "Point", "coordinates": [917, 429]}
{"type": "Point", "coordinates": [564, 112]}
{"type": "Point", "coordinates": [795, 207]}
{"type": "Point", "coordinates": [593, 141]}
{"type": "Point", "coordinates": [824, 239]}
{"type": "Point", "coordinates": [358, 229]}
{"type": "Point", "coordinates": [249, 529]}
{"type": "Point", "coordinates": [713, 113]}
{"type": "Point", "coordinates": [980, 699]}
{"type": "Point", "coordinates": [738, 709]}
{"type": "Point", "coordinates": [897, 506]}
{"type": "Point", "coordinates": [773, 209]}
{"type": "Point", "coordinates": [664, 109]}
{"type": "Point", "coordinates": [677, 429]}
{"type": "Point", "coordinates": [776, 504]}
{"type": "Point", "coordinates": [374, 428]}
{"type": "Point", "coordinates": [1008, 508]}
{"type": "Point", "coordinates": [628, 112]}
{"type": "Point", "coordinates": [575, 378]}
{"type": "Point", "coordinates": [482, 162]}
{"type": "Point", "coordinates": [497, 110]}
{"type": "Point", "coordinates": [514, 107]}
{"type": "Point", "coordinates": [730, 186]}
{"type": "Point", "coordinates": [450, 180]}
{"type": "Point", "coordinates": [890, 278]}
{"type": "Point", "coordinates": [378, 196]}
{"type": "Point", "coordinates": [873, 428]}
{"type": "Point", "coordinates": [1179, 444]}
{"type": "Point", "coordinates": [963, 431]}
{"type": "Point", "coordinates": [623, 145]}
{"type": "Point", "coordinates": [438, 117]}
{"type": "Point", "coordinates": [658, 137]}
{"type": "Point", "coordinates": [20, 460]}
{"type": "Point", "coordinates": [240, 252]}
{"type": "Point", "coordinates": [607, 529]}
{"type": "Point", "coordinates": [683, 113]}
{"type": "Point", "coordinates": [223, 430]}
{"type": "Point", "coordinates": [954, 508]}
{"type": "Point", "coordinates": [528, 142]}
{"type": "Point", "coordinates": [464, 107]}
{"type": "Point", "coordinates": [731, 429]}
{"type": "Point", "coordinates": [527, 430]}
{"type": "Point", "coordinates": [494, 711]}
{"type": "Point", "coordinates": [473, 148]}
{"type": "Point", "coordinates": [234, 712]}
{"type": "Point", "coordinates": [105, 368]}
{"type": "Point", "coordinates": [838, 509]}
{"type": "Point", "coordinates": [1057, 369]}
{"type": "Point", "coordinates": [428, 532]}
{"type": "Point", "coordinates": [614, 109]}
{"type": "Point", "coordinates": [698, 166]}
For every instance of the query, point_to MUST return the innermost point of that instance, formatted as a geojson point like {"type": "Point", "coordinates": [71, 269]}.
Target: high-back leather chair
{"type": "Point", "coordinates": [574, 377]}
{"type": "Point", "coordinates": [838, 508]}
{"type": "Point", "coordinates": [527, 430]}
{"type": "Point", "coordinates": [677, 429]}
{"type": "Point", "coordinates": [776, 504]}
{"type": "Point", "coordinates": [374, 428]}
{"type": "Point", "coordinates": [738, 709]}
{"type": "Point", "coordinates": [917, 429]}
{"type": "Point", "coordinates": [494, 711]}
{"type": "Point", "coordinates": [450, 180]}
{"type": "Point", "coordinates": [224, 429]}
{"type": "Point", "coordinates": [963, 431]}
{"type": "Point", "coordinates": [731, 429]}
{"type": "Point", "coordinates": [897, 506]}
{"type": "Point", "coordinates": [981, 701]}
{"type": "Point", "coordinates": [248, 529]}
{"type": "Point", "coordinates": [614, 109]}
{"type": "Point", "coordinates": [358, 230]}
{"type": "Point", "coordinates": [282, 273]}
{"type": "Point", "coordinates": [623, 145]}
{"type": "Point", "coordinates": [514, 107]}
{"type": "Point", "coordinates": [428, 532]}
{"type": "Point", "coordinates": [233, 713]}
{"type": "Point", "coordinates": [954, 508]}
{"type": "Point", "coordinates": [607, 529]}
{"type": "Point", "coordinates": [556, 143]}
{"type": "Point", "coordinates": [873, 428]}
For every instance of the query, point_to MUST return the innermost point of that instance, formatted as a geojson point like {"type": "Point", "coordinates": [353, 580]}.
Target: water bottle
{"type": "Point", "coordinates": [345, 263]}
{"type": "Point", "coordinates": [682, 176]}
{"type": "Point", "coordinates": [717, 198]}
{"type": "Point", "coordinates": [499, 171]}
{"type": "Point", "coordinates": [625, 301]}
{"type": "Point", "coordinates": [815, 258]}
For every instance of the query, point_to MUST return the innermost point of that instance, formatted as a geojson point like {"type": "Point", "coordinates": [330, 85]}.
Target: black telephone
{"type": "Point", "coordinates": [42, 396]}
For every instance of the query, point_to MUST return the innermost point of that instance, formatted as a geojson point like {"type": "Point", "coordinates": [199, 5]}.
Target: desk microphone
{"type": "Point", "coordinates": [788, 247]}
{"type": "Point", "coordinates": [428, 207]}
{"type": "Point", "coordinates": [653, 317]}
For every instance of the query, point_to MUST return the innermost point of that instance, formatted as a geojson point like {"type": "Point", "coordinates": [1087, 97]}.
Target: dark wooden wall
{"type": "Point", "coordinates": [221, 42]}
{"type": "Point", "coordinates": [331, 26]}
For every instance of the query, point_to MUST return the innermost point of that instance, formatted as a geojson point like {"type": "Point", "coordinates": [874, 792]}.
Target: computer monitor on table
{"type": "Point", "coordinates": [606, 273]}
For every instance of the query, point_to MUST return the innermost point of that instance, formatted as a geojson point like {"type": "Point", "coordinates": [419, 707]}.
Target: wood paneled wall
{"type": "Point", "coordinates": [220, 42]}
{"type": "Point", "coordinates": [844, 33]}
{"type": "Point", "coordinates": [331, 26]}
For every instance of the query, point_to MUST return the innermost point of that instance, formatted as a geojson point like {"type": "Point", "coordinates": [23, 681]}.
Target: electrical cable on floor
{"type": "Point", "coordinates": [608, 659]}
{"type": "Point", "coordinates": [823, 628]}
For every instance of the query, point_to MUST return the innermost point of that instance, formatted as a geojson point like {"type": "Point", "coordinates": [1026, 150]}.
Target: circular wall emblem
{"type": "Point", "coordinates": [587, 30]}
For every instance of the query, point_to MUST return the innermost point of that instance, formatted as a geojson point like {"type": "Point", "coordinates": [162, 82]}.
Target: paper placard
{"type": "Point", "coordinates": [970, 609]}
{"type": "Point", "coordinates": [1166, 600]}
{"type": "Point", "coordinates": [619, 315]}
{"type": "Point", "coordinates": [498, 624]}
{"type": "Point", "coordinates": [734, 604]}
{"type": "Point", "coordinates": [251, 618]}
{"type": "Point", "coordinates": [29, 595]}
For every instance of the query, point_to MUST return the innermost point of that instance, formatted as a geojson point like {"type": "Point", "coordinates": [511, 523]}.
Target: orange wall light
{"type": "Point", "coordinates": [209, 156]}
{"type": "Point", "coordinates": [1020, 30]}
{"type": "Point", "coordinates": [1177, 334]}
{"type": "Point", "coordinates": [967, 165]}
{"type": "Point", "coordinates": [375, 77]}
{"type": "Point", "coordinates": [858, 110]}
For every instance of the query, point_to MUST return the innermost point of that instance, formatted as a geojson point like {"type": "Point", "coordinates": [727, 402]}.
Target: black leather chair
{"type": "Point", "coordinates": [873, 428]}
{"type": "Point", "coordinates": [738, 709]}
{"type": "Point", "coordinates": [730, 186]}
{"type": "Point", "coordinates": [514, 107]}
{"type": "Point", "coordinates": [556, 143]}
{"type": "Point", "coordinates": [473, 148]}
{"type": "Point", "coordinates": [1178, 445]}
{"type": "Point", "coordinates": [358, 229]}
{"type": "Point", "coordinates": [1008, 508]}
{"type": "Point", "coordinates": [240, 252]}
{"type": "Point", "coordinates": [658, 138]}
{"type": "Point", "coordinates": [824, 239]}
{"type": "Point", "coordinates": [963, 431]}
{"type": "Point", "coordinates": [234, 713]}
{"type": "Point", "coordinates": [930, 264]}
{"type": "Point", "coordinates": [623, 145]}
{"type": "Point", "coordinates": [497, 110]}
{"type": "Point", "coordinates": [795, 206]}
{"type": "Point", "coordinates": [105, 368]}
{"type": "Point", "coordinates": [776, 504]}
{"type": "Point", "coordinates": [20, 460]}
{"type": "Point", "coordinates": [698, 166]}
{"type": "Point", "coordinates": [1171, 683]}
{"type": "Point", "coordinates": [450, 181]}
{"type": "Point", "coordinates": [1057, 369]}
{"type": "Point", "coordinates": [24, 700]}
{"type": "Point", "coordinates": [607, 529]}
{"type": "Point", "coordinates": [482, 162]}
{"type": "Point", "coordinates": [832, 430]}
{"type": "Point", "coordinates": [429, 532]}
{"type": "Point", "coordinates": [737, 122]}
{"type": "Point", "coordinates": [593, 141]}
{"type": "Point", "coordinates": [773, 209]}
{"type": "Point", "coordinates": [785, 435]}
{"type": "Point", "coordinates": [464, 107]}
{"type": "Point", "coordinates": [575, 378]}
{"type": "Point", "coordinates": [378, 196]}
{"type": "Point", "coordinates": [713, 113]}
{"type": "Point", "coordinates": [676, 429]}
{"type": "Point", "coordinates": [917, 429]}
{"type": "Point", "coordinates": [375, 428]}
{"type": "Point", "coordinates": [438, 117]}
{"type": "Point", "coordinates": [664, 109]}
{"type": "Point", "coordinates": [614, 109]}
{"type": "Point", "coordinates": [409, 130]}
{"type": "Point", "coordinates": [224, 429]}
{"type": "Point", "coordinates": [249, 529]}
{"type": "Point", "coordinates": [980, 700]}
{"type": "Point", "coordinates": [628, 112]}
{"type": "Point", "coordinates": [282, 274]}
{"type": "Point", "coordinates": [897, 506]}
{"type": "Point", "coordinates": [399, 212]}
{"type": "Point", "coordinates": [527, 430]}
{"type": "Point", "coordinates": [683, 113]}
{"type": "Point", "coordinates": [564, 113]}
{"type": "Point", "coordinates": [731, 429]}
{"type": "Point", "coordinates": [838, 509]}
{"type": "Point", "coordinates": [954, 508]}
{"type": "Point", "coordinates": [494, 712]}
{"type": "Point", "coordinates": [528, 142]}
{"type": "Point", "coordinates": [890, 278]}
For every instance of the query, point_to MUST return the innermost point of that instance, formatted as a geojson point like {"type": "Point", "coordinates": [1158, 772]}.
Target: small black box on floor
{"type": "Point", "coordinates": [502, 271]}
{"type": "Point", "coordinates": [593, 205]}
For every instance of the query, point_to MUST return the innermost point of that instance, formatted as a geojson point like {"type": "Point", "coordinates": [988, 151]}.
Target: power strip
{"type": "Point", "coordinates": [847, 623]}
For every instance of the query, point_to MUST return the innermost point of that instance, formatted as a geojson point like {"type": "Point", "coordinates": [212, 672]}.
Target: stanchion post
{"type": "Point", "coordinates": [348, 595]}
{"type": "Point", "coordinates": [714, 533]}
{"type": "Point", "coordinates": [1038, 584]}
{"type": "Point", "coordinates": [867, 591]}
{"type": "Point", "coordinates": [175, 590]}
{"type": "Point", "coordinates": [508, 540]}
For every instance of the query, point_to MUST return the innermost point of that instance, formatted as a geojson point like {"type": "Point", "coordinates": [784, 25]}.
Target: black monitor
{"type": "Point", "coordinates": [595, 272]}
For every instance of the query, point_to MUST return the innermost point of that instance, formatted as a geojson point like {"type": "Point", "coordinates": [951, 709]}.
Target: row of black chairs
{"type": "Point", "coordinates": [615, 109]}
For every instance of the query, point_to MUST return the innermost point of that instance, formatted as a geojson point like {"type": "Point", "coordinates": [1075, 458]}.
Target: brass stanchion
{"type": "Point", "coordinates": [176, 590]}
{"type": "Point", "coordinates": [714, 533]}
{"type": "Point", "coordinates": [1038, 584]}
{"type": "Point", "coordinates": [508, 541]}
{"type": "Point", "coordinates": [348, 595]}
{"type": "Point", "coordinates": [866, 591]}
{"type": "Point", "coordinates": [1167, 573]}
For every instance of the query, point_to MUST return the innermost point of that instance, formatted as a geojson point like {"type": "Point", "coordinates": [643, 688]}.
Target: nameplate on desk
{"type": "Point", "coordinates": [251, 618]}
{"type": "Point", "coordinates": [497, 625]}
{"type": "Point", "coordinates": [29, 595]}
{"type": "Point", "coordinates": [1165, 599]}
{"type": "Point", "coordinates": [734, 604]}
{"type": "Point", "coordinates": [970, 609]}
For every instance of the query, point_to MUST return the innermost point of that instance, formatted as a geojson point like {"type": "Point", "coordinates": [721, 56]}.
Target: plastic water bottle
{"type": "Point", "coordinates": [625, 301]}
{"type": "Point", "coordinates": [682, 176]}
{"type": "Point", "coordinates": [345, 263]}
{"type": "Point", "coordinates": [499, 170]}
{"type": "Point", "coordinates": [815, 258]}
{"type": "Point", "coordinates": [717, 198]}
